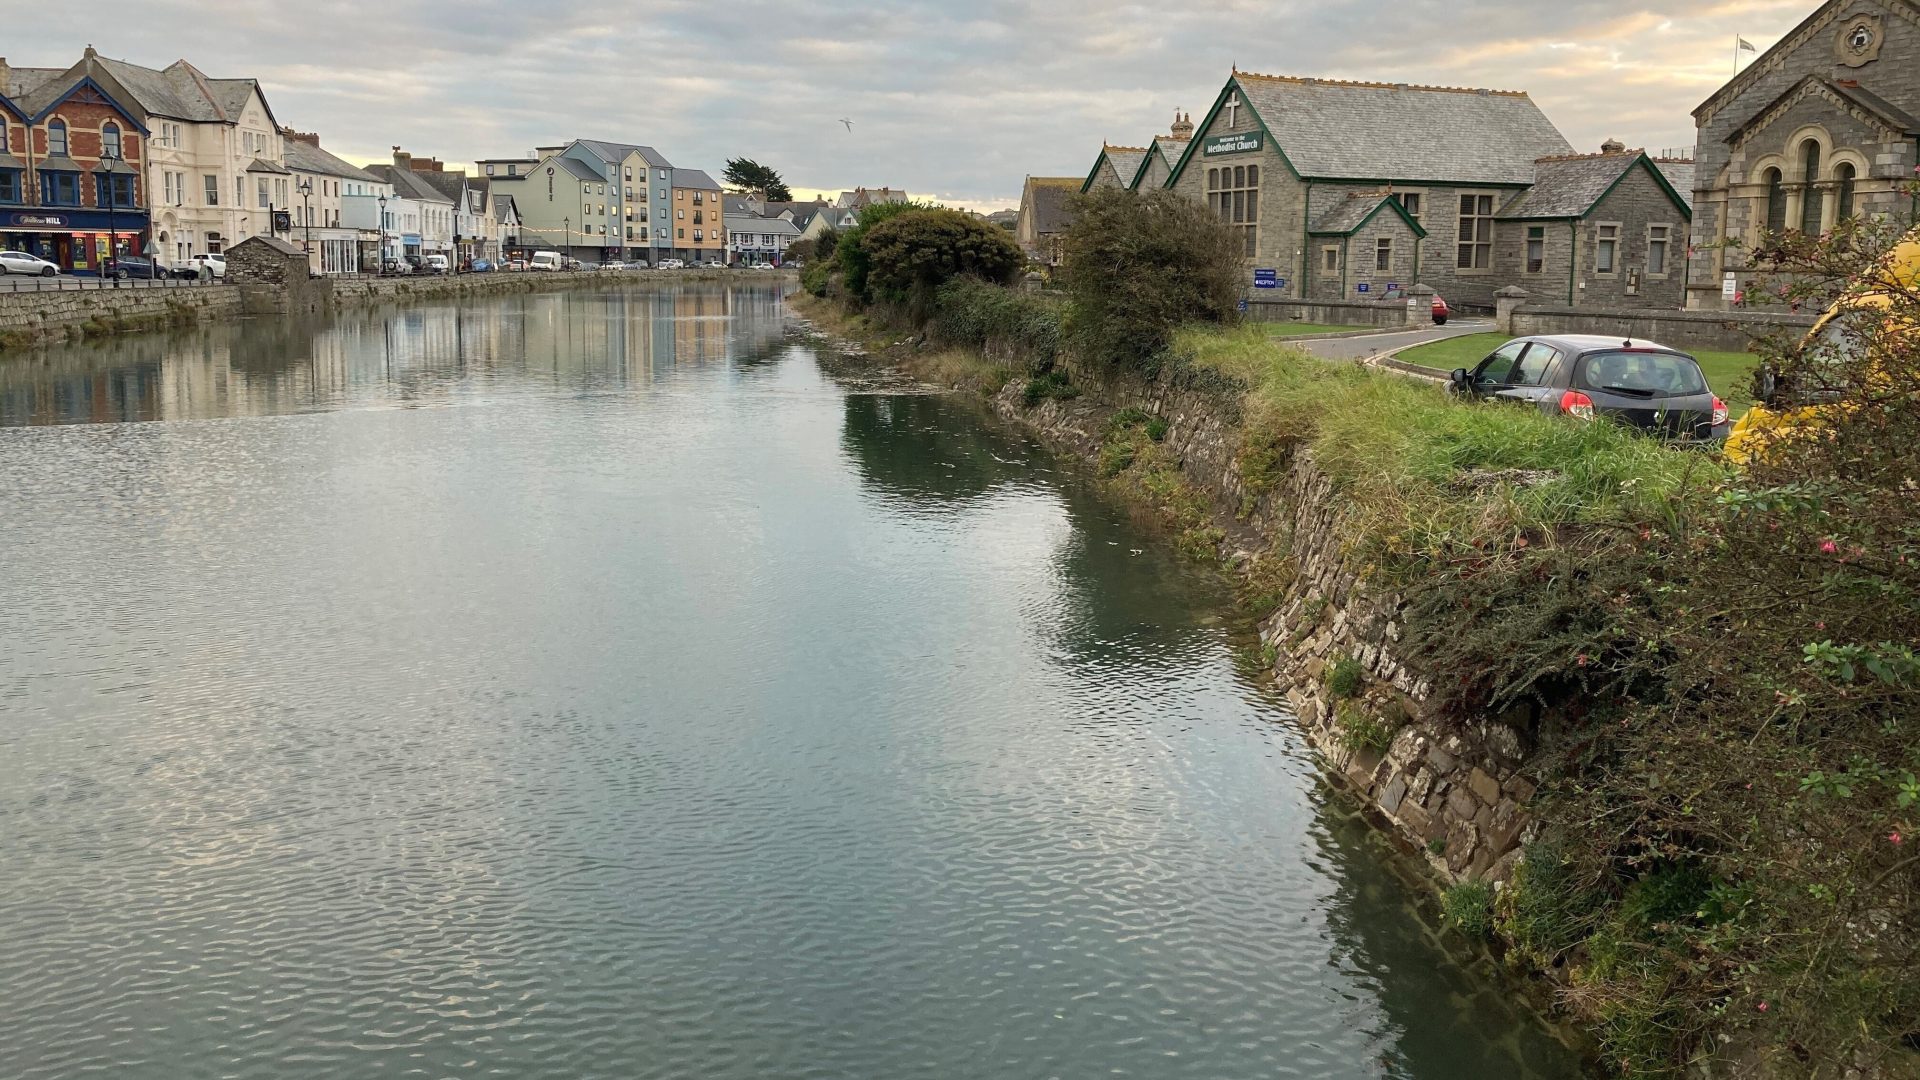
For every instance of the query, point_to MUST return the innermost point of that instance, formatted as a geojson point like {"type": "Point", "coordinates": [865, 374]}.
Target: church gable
{"type": "Point", "coordinates": [1842, 37]}
{"type": "Point", "coordinates": [1817, 100]}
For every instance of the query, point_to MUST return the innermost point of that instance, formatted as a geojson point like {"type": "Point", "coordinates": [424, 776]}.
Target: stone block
{"type": "Point", "coordinates": [1504, 829]}
{"type": "Point", "coordinates": [1461, 805]}
{"type": "Point", "coordinates": [1393, 793]}
{"type": "Point", "coordinates": [1442, 762]}
{"type": "Point", "coordinates": [1463, 841]}
{"type": "Point", "coordinates": [1484, 786]}
{"type": "Point", "coordinates": [1414, 819]}
{"type": "Point", "coordinates": [1521, 789]}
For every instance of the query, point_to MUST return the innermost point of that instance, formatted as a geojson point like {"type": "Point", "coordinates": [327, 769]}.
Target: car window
{"type": "Point", "coordinates": [1498, 367]}
{"type": "Point", "coordinates": [1532, 369]}
{"type": "Point", "coordinates": [1652, 373]}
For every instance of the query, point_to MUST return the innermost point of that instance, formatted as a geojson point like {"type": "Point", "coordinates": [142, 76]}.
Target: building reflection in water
{"type": "Point", "coordinates": [431, 354]}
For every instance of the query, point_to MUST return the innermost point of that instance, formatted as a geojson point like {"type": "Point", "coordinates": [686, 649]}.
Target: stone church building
{"type": "Point", "coordinates": [1358, 190]}
{"type": "Point", "coordinates": [1818, 128]}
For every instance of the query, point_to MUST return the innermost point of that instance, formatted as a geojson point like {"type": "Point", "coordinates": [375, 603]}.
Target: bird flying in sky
{"type": "Point", "coordinates": [847, 122]}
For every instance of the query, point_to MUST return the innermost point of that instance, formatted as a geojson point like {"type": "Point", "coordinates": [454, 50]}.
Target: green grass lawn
{"type": "Point", "coordinates": [1297, 329]}
{"type": "Point", "coordinates": [1728, 373]}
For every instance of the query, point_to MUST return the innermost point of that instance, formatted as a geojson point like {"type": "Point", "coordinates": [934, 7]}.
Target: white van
{"type": "Point", "coordinates": [546, 260]}
{"type": "Point", "coordinates": [436, 264]}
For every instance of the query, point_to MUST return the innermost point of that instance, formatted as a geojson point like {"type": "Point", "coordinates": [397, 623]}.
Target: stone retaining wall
{"type": "Point", "coordinates": [29, 318]}
{"type": "Point", "coordinates": [1732, 331]}
{"type": "Point", "coordinates": [1454, 787]}
{"type": "Point", "coordinates": [1331, 312]}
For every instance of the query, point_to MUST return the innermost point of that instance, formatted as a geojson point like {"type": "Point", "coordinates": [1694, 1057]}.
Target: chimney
{"type": "Point", "coordinates": [90, 54]}
{"type": "Point", "coordinates": [1613, 146]}
{"type": "Point", "coordinates": [1182, 129]}
{"type": "Point", "coordinates": [311, 138]}
{"type": "Point", "coordinates": [6, 75]}
{"type": "Point", "coordinates": [402, 159]}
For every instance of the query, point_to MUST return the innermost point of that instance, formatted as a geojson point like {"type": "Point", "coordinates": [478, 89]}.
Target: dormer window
{"type": "Point", "coordinates": [57, 138]}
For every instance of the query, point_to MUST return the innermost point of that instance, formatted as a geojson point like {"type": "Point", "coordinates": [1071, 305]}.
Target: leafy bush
{"type": "Point", "coordinates": [850, 249]}
{"type": "Point", "coordinates": [1049, 385]}
{"type": "Point", "coordinates": [1469, 908]}
{"type": "Point", "coordinates": [817, 277]}
{"type": "Point", "coordinates": [911, 255]}
{"type": "Point", "coordinates": [1137, 266]}
{"type": "Point", "coordinates": [974, 314]}
{"type": "Point", "coordinates": [1346, 678]}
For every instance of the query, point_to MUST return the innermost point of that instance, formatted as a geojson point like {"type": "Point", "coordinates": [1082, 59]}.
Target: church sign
{"type": "Point", "coordinates": [1239, 142]}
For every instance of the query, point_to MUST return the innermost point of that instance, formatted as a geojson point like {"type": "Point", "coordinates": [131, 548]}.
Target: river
{"type": "Point", "coordinates": [593, 684]}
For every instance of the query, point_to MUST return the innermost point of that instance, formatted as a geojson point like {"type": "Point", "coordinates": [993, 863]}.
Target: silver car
{"type": "Point", "coordinates": [19, 262]}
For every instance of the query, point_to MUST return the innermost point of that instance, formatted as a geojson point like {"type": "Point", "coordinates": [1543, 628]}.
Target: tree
{"type": "Point", "coordinates": [748, 175]}
{"type": "Point", "coordinates": [914, 253]}
{"type": "Point", "coordinates": [1138, 266]}
{"type": "Point", "coordinates": [850, 250]}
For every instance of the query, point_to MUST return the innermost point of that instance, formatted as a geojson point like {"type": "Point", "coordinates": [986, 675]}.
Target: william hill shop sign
{"type": "Point", "coordinates": [1240, 142]}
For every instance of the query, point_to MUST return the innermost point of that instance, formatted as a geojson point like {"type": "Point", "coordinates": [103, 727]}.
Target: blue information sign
{"type": "Point", "coordinates": [1363, 287]}
{"type": "Point", "coordinates": [1279, 283]}
{"type": "Point", "coordinates": [1393, 286]}
{"type": "Point", "coordinates": [1266, 279]}
{"type": "Point", "coordinates": [1243, 303]}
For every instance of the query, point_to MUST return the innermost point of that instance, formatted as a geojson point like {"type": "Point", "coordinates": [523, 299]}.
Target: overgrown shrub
{"type": "Point", "coordinates": [1358, 729]}
{"type": "Point", "coordinates": [1468, 907]}
{"type": "Point", "coordinates": [850, 250]}
{"type": "Point", "coordinates": [1137, 266]}
{"type": "Point", "coordinates": [1047, 386]}
{"type": "Point", "coordinates": [972, 313]}
{"type": "Point", "coordinates": [912, 254]}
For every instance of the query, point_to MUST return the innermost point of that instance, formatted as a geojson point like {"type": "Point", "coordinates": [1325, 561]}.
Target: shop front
{"type": "Point", "coordinates": [77, 240]}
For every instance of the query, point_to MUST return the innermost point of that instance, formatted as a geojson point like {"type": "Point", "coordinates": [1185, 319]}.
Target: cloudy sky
{"type": "Point", "coordinates": [956, 99]}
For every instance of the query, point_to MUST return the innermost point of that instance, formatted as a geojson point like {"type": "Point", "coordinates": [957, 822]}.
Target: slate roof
{"type": "Point", "coordinates": [1680, 175]}
{"type": "Point", "coordinates": [1126, 160]}
{"type": "Point", "coordinates": [579, 170]}
{"type": "Point", "coordinates": [1889, 113]}
{"type": "Point", "coordinates": [1356, 210]}
{"type": "Point", "coordinates": [451, 184]}
{"type": "Point", "coordinates": [274, 242]}
{"type": "Point", "coordinates": [773, 226]}
{"type": "Point", "coordinates": [1386, 131]}
{"type": "Point", "coordinates": [504, 208]}
{"type": "Point", "coordinates": [179, 91]}
{"type": "Point", "coordinates": [1048, 197]}
{"type": "Point", "coordinates": [407, 184]}
{"type": "Point", "coordinates": [614, 152]}
{"type": "Point", "coordinates": [265, 166]}
{"type": "Point", "coordinates": [302, 156]}
{"type": "Point", "coordinates": [693, 178]}
{"type": "Point", "coordinates": [1567, 187]}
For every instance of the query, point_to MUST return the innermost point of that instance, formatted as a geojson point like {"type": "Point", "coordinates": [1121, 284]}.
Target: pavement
{"type": "Point", "coordinates": [1365, 345]}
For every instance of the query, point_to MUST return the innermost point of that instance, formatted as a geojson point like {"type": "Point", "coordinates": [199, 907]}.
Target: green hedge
{"type": "Point", "coordinates": [973, 314]}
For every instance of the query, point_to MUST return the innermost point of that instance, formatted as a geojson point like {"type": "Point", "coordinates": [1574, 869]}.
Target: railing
{"type": "Point", "coordinates": [18, 283]}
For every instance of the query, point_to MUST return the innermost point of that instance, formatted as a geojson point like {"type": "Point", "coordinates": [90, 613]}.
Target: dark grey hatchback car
{"type": "Point", "coordinates": [1639, 383]}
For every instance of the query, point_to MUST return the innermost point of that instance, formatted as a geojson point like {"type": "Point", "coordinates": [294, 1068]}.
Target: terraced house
{"type": "Point", "coordinates": [1144, 166]}
{"type": "Point", "coordinates": [1358, 189]}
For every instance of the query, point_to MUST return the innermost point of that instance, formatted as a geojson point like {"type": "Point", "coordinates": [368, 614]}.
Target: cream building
{"type": "Point", "coordinates": [337, 240]}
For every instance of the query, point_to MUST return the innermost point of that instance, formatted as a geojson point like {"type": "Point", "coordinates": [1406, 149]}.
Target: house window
{"type": "Point", "coordinates": [661, 213]}
{"type": "Point", "coordinates": [60, 188]}
{"type": "Point", "coordinates": [110, 189]}
{"type": "Point", "coordinates": [660, 194]}
{"type": "Point", "coordinates": [1810, 197]}
{"type": "Point", "coordinates": [1383, 255]}
{"type": "Point", "coordinates": [660, 234]}
{"type": "Point", "coordinates": [682, 234]}
{"type": "Point", "coordinates": [110, 140]}
{"type": "Point", "coordinates": [262, 193]}
{"type": "Point", "coordinates": [57, 138]}
{"type": "Point", "coordinates": [1536, 248]}
{"type": "Point", "coordinates": [697, 236]}
{"type": "Point", "coordinates": [629, 172]}
{"type": "Point", "coordinates": [1234, 193]}
{"type": "Point", "coordinates": [1776, 201]}
{"type": "Point", "coordinates": [1330, 259]}
{"type": "Point", "coordinates": [1658, 237]}
{"type": "Point", "coordinates": [663, 176]}
{"type": "Point", "coordinates": [1843, 191]}
{"type": "Point", "coordinates": [239, 191]}
{"type": "Point", "coordinates": [682, 214]}
{"type": "Point", "coordinates": [1410, 202]}
{"type": "Point", "coordinates": [9, 185]}
{"type": "Point", "coordinates": [489, 170]}
{"type": "Point", "coordinates": [1476, 233]}
{"type": "Point", "coordinates": [213, 190]}
{"type": "Point", "coordinates": [1606, 248]}
{"type": "Point", "coordinates": [699, 218]}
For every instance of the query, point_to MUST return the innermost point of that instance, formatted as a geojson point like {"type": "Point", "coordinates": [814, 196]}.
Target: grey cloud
{"type": "Point", "coordinates": [960, 100]}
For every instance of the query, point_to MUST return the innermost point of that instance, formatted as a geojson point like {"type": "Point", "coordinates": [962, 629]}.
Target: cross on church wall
{"type": "Point", "coordinates": [1233, 110]}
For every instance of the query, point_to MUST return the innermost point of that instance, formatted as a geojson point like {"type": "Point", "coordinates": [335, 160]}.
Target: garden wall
{"type": "Point", "coordinates": [1733, 331]}
{"type": "Point", "coordinates": [1330, 312]}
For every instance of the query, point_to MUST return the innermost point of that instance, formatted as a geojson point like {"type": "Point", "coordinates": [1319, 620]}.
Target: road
{"type": "Point", "coordinates": [1357, 348]}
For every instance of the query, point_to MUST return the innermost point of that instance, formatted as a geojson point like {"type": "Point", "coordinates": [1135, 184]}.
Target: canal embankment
{"type": "Point", "coordinates": [39, 317]}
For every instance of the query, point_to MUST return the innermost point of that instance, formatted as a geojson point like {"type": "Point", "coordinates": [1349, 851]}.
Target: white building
{"type": "Point", "coordinates": [753, 239]}
{"type": "Point", "coordinates": [336, 241]}
{"type": "Point", "coordinates": [215, 165]}
{"type": "Point", "coordinates": [419, 220]}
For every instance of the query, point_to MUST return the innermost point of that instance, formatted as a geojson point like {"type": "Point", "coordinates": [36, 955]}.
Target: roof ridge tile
{"type": "Point", "coordinates": [1315, 80]}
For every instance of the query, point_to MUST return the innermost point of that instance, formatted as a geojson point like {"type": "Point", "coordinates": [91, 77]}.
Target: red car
{"type": "Point", "coordinates": [1440, 311]}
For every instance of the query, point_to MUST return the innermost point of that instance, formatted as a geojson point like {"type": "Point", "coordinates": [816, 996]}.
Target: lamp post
{"type": "Point", "coordinates": [306, 210]}
{"type": "Point", "coordinates": [380, 265]}
{"type": "Point", "coordinates": [566, 224]}
{"type": "Point", "coordinates": [107, 158]}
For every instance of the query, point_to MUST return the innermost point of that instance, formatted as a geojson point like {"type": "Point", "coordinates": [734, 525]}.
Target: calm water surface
{"type": "Point", "coordinates": [596, 685]}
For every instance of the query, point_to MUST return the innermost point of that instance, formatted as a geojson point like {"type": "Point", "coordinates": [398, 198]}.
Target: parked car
{"type": "Point", "coordinates": [1640, 383]}
{"type": "Point", "coordinates": [481, 266]}
{"type": "Point", "coordinates": [765, 266]}
{"type": "Point", "coordinates": [434, 264]}
{"type": "Point", "coordinates": [134, 266]}
{"type": "Point", "coordinates": [216, 265]}
{"type": "Point", "coordinates": [19, 262]}
{"type": "Point", "coordinates": [715, 264]}
{"type": "Point", "coordinates": [672, 264]}
{"type": "Point", "coordinates": [516, 264]}
{"type": "Point", "coordinates": [611, 266]}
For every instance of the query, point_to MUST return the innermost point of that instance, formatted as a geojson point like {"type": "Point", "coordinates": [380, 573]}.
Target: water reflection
{"type": "Point", "coordinates": [419, 355]}
{"type": "Point", "coordinates": [647, 706]}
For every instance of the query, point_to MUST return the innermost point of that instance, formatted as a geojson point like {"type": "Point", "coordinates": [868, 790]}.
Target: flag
{"type": "Point", "coordinates": [1745, 45]}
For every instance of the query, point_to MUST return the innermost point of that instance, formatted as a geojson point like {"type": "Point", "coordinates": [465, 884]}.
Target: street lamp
{"type": "Point", "coordinates": [107, 158]}
{"type": "Point", "coordinates": [380, 265]}
{"type": "Point", "coordinates": [305, 188]}
{"type": "Point", "coordinates": [566, 224]}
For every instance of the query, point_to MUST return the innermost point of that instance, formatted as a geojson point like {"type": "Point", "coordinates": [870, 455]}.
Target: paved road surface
{"type": "Point", "coordinates": [1354, 348]}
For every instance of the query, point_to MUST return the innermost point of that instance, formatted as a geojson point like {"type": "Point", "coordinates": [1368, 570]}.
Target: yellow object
{"type": "Point", "coordinates": [1769, 424]}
